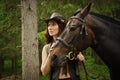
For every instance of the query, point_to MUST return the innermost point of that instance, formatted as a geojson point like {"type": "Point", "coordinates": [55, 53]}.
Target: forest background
{"type": "Point", "coordinates": [10, 33]}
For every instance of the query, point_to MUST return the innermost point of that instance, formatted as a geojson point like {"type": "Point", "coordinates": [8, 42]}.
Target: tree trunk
{"type": "Point", "coordinates": [14, 65]}
{"type": "Point", "coordinates": [1, 66]}
{"type": "Point", "coordinates": [30, 56]}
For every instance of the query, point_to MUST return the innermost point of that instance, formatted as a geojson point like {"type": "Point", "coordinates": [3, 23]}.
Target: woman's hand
{"type": "Point", "coordinates": [52, 48]}
{"type": "Point", "coordinates": [80, 57]}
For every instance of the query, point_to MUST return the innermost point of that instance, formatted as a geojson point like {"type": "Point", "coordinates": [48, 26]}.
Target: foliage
{"type": "Point", "coordinates": [43, 78]}
{"type": "Point", "coordinates": [8, 65]}
{"type": "Point", "coordinates": [10, 32]}
{"type": "Point", "coordinates": [41, 37]}
{"type": "Point", "coordinates": [10, 25]}
{"type": "Point", "coordinates": [110, 8]}
{"type": "Point", "coordinates": [46, 8]}
{"type": "Point", "coordinates": [101, 72]}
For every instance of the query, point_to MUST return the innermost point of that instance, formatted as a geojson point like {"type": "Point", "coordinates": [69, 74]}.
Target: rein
{"type": "Point", "coordinates": [71, 49]}
{"type": "Point", "coordinates": [86, 73]}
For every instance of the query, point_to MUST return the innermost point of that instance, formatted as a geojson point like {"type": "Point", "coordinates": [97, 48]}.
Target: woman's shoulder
{"type": "Point", "coordinates": [47, 47]}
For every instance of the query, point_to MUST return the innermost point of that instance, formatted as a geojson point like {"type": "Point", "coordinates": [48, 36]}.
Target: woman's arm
{"type": "Point", "coordinates": [46, 61]}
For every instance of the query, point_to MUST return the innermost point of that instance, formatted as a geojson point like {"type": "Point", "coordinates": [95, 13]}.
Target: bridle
{"type": "Point", "coordinates": [71, 49]}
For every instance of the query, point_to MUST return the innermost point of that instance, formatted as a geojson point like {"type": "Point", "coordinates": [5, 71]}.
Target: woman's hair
{"type": "Point", "coordinates": [49, 38]}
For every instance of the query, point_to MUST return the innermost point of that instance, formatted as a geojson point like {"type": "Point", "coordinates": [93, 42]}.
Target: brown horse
{"type": "Point", "coordinates": [100, 32]}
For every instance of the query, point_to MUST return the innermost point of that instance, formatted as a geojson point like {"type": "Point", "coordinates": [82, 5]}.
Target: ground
{"type": "Point", "coordinates": [12, 77]}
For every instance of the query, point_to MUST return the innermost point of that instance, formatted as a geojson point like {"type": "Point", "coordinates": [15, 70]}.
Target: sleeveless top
{"type": "Point", "coordinates": [72, 67]}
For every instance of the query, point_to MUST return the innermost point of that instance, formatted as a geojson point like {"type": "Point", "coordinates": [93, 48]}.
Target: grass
{"type": "Point", "coordinates": [100, 72]}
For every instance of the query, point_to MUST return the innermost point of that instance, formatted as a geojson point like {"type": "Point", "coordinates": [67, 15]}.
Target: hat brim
{"type": "Point", "coordinates": [50, 19]}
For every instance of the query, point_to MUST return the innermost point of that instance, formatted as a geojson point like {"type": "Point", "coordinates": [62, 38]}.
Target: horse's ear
{"type": "Point", "coordinates": [84, 12]}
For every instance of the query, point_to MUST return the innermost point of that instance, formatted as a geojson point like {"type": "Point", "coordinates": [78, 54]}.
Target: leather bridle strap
{"type": "Point", "coordinates": [80, 19]}
{"type": "Point", "coordinates": [83, 28]}
{"type": "Point", "coordinates": [64, 42]}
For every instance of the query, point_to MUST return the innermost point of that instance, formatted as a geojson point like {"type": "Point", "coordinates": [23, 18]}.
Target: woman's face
{"type": "Point", "coordinates": [53, 28]}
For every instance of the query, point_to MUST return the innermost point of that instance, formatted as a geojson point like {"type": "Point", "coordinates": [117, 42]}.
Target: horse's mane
{"type": "Point", "coordinates": [110, 19]}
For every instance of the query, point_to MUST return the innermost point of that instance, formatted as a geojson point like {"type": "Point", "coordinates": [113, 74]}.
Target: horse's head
{"type": "Point", "coordinates": [75, 37]}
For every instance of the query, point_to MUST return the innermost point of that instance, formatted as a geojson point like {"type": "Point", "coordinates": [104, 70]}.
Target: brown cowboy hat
{"type": "Point", "coordinates": [56, 17]}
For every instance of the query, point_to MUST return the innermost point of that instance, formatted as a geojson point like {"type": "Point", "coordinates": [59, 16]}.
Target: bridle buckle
{"type": "Point", "coordinates": [71, 55]}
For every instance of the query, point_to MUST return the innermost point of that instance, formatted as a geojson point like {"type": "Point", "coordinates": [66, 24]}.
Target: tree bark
{"type": "Point", "coordinates": [1, 66]}
{"type": "Point", "coordinates": [30, 55]}
{"type": "Point", "coordinates": [14, 65]}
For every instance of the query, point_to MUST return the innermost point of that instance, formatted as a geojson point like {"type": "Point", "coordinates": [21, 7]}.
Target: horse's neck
{"type": "Point", "coordinates": [107, 40]}
{"type": "Point", "coordinates": [104, 29]}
